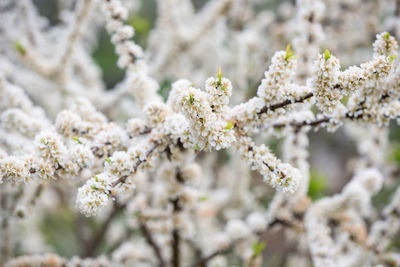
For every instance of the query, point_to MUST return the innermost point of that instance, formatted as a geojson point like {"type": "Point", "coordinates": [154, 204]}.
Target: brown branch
{"type": "Point", "coordinates": [98, 237]}
{"type": "Point", "coordinates": [122, 179]}
{"type": "Point", "coordinates": [203, 261]}
{"type": "Point", "coordinates": [150, 240]}
{"type": "Point", "coordinates": [316, 122]}
{"type": "Point", "coordinates": [176, 239]}
{"type": "Point", "coordinates": [273, 107]}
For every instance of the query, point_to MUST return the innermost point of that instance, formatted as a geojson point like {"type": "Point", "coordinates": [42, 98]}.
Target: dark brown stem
{"type": "Point", "coordinates": [203, 261]}
{"type": "Point", "coordinates": [198, 253]}
{"type": "Point", "coordinates": [123, 178]}
{"type": "Point", "coordinates": [303, 123]}
{"type": "Point", "coordinates": [150, 240]}
{"type": "Point", "coordinates": [176, 239]}
{"type": "Point", "coordinates": [273, 107]}
{"type": "Point", "coordinates": [98, 237]}
{"type": "Point", "coordinates": [325, 119]}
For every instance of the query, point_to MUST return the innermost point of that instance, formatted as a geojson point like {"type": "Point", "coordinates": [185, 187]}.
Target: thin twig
{"type": "Point", "coordinates": [97, 238]}
{"type": "Point", "coordinates": [122, 179]}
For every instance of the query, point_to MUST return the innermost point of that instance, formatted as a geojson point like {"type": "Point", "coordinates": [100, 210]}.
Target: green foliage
{"type": "Point", "coordinates": [345, 100]}
{"type": "Point", "coordinates": [327, 54]}
{"type": "Point", "coordinates": [317, 186]}
{"type": "Point", "coordinates": [75, 138]}
{"type": "Point", "coordinates": [394, 156]}
{"type": "Point", "coordinates": [141, 25]}
{"type": "Point", "coordinates": [394, 244]}
{"type": "Point", "coordinates": [203, 198]}
{"type": "Point", "coordinates": [258, 248]}
{"type": "Point", "coordinates": [392, 57]}
{"type": "Point", "coordinates": [219, 77]}
{"type": "Point", "coordinates": [19, 47]}
{"type": "Point", "coordinates": [289, 53]}
{"type": "Point", "coordinates": [165, 87]}
{"type": "Point", "coordinates": [191, 98]}
{"type": "Point", "coordinates": [106, 59]}
{"type": "Point", "coordinates": [58, 229]}
{"type": "Point", "coordinates": [229, 125]}
{"type": "Point", "coordinates": [382, 198]}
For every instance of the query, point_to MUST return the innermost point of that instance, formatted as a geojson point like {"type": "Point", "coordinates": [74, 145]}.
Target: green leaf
{"type": "Point", "coordinates": [203, 198]}
{"type": "Point", "coordinates": [108, 160]}
{"type": "Point", "coordinates": [191, 98]}
{"type": "Point", "coordinates": [327, 54]}
{"type": "Point", "coordinates": [223, 87]}
{"type": "Point", "coordinates": [258, 248]}
{"type": "Point", "coordinates": [386, 36]}
{"type": "Point", "coordinates": [75, 138]}
{"type": "Point", "coordinates": [219, 76]}
{"type": "Point", "coordinates": [392, 57]}
{"type": "Point", "coordinates": [289, 53]}
{"type": "Point", "coordinates": [229, 126]}
{"type": "Point", "coordinates": [19, 47]}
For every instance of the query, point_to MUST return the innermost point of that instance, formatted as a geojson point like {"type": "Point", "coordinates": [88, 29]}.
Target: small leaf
{"type": "Point", "coordinates": [191, 98]}
{"type": "Point", "coordinates": [327, 54]}
{"type": "Point", "coordinates": [108, 160]}
{"type": "Point", "coordinates": [392, 58]}
{"type": "Point", "coordinates": [20, 48]}
{"type": "Point", "coordinates": [203, 198]}
{"type": "Point", "coordinates": [289, 53]}
{"type": "Point", "coordinates": [386, 36]}
{"type": "Point", "coordinates": [219, 76]}
{"type": "Point", "coordinates": [229, 126]}
{"type": "Point", "coordinates": [258, 248]}
{"type": "Point", "coordinates": [223, 87]}
{"type": "Point", "coordinates": [196, 147]}
{"type": "Point", "coordinates": [75, 138]}
{"type": "Point", "coordinates": [94, 188]}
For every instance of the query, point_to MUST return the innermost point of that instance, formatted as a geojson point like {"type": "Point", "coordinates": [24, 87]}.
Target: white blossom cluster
{"type": "Point", "coordinates": [165, 177]}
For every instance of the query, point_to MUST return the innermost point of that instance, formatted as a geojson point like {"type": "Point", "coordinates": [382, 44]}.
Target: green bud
{"type": "Point", "coordinates": [191, 98]}
{"type": "Point", "coordinates": [386, 36]}
{"type": "Point", "coordinates": [229, 126]}
{"type": "Point", "coordinates": [327, 54]}
{"type": "Point", "coordinates": [289, 53]}
{"type": "Point", "coordinates": [219, 76]}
